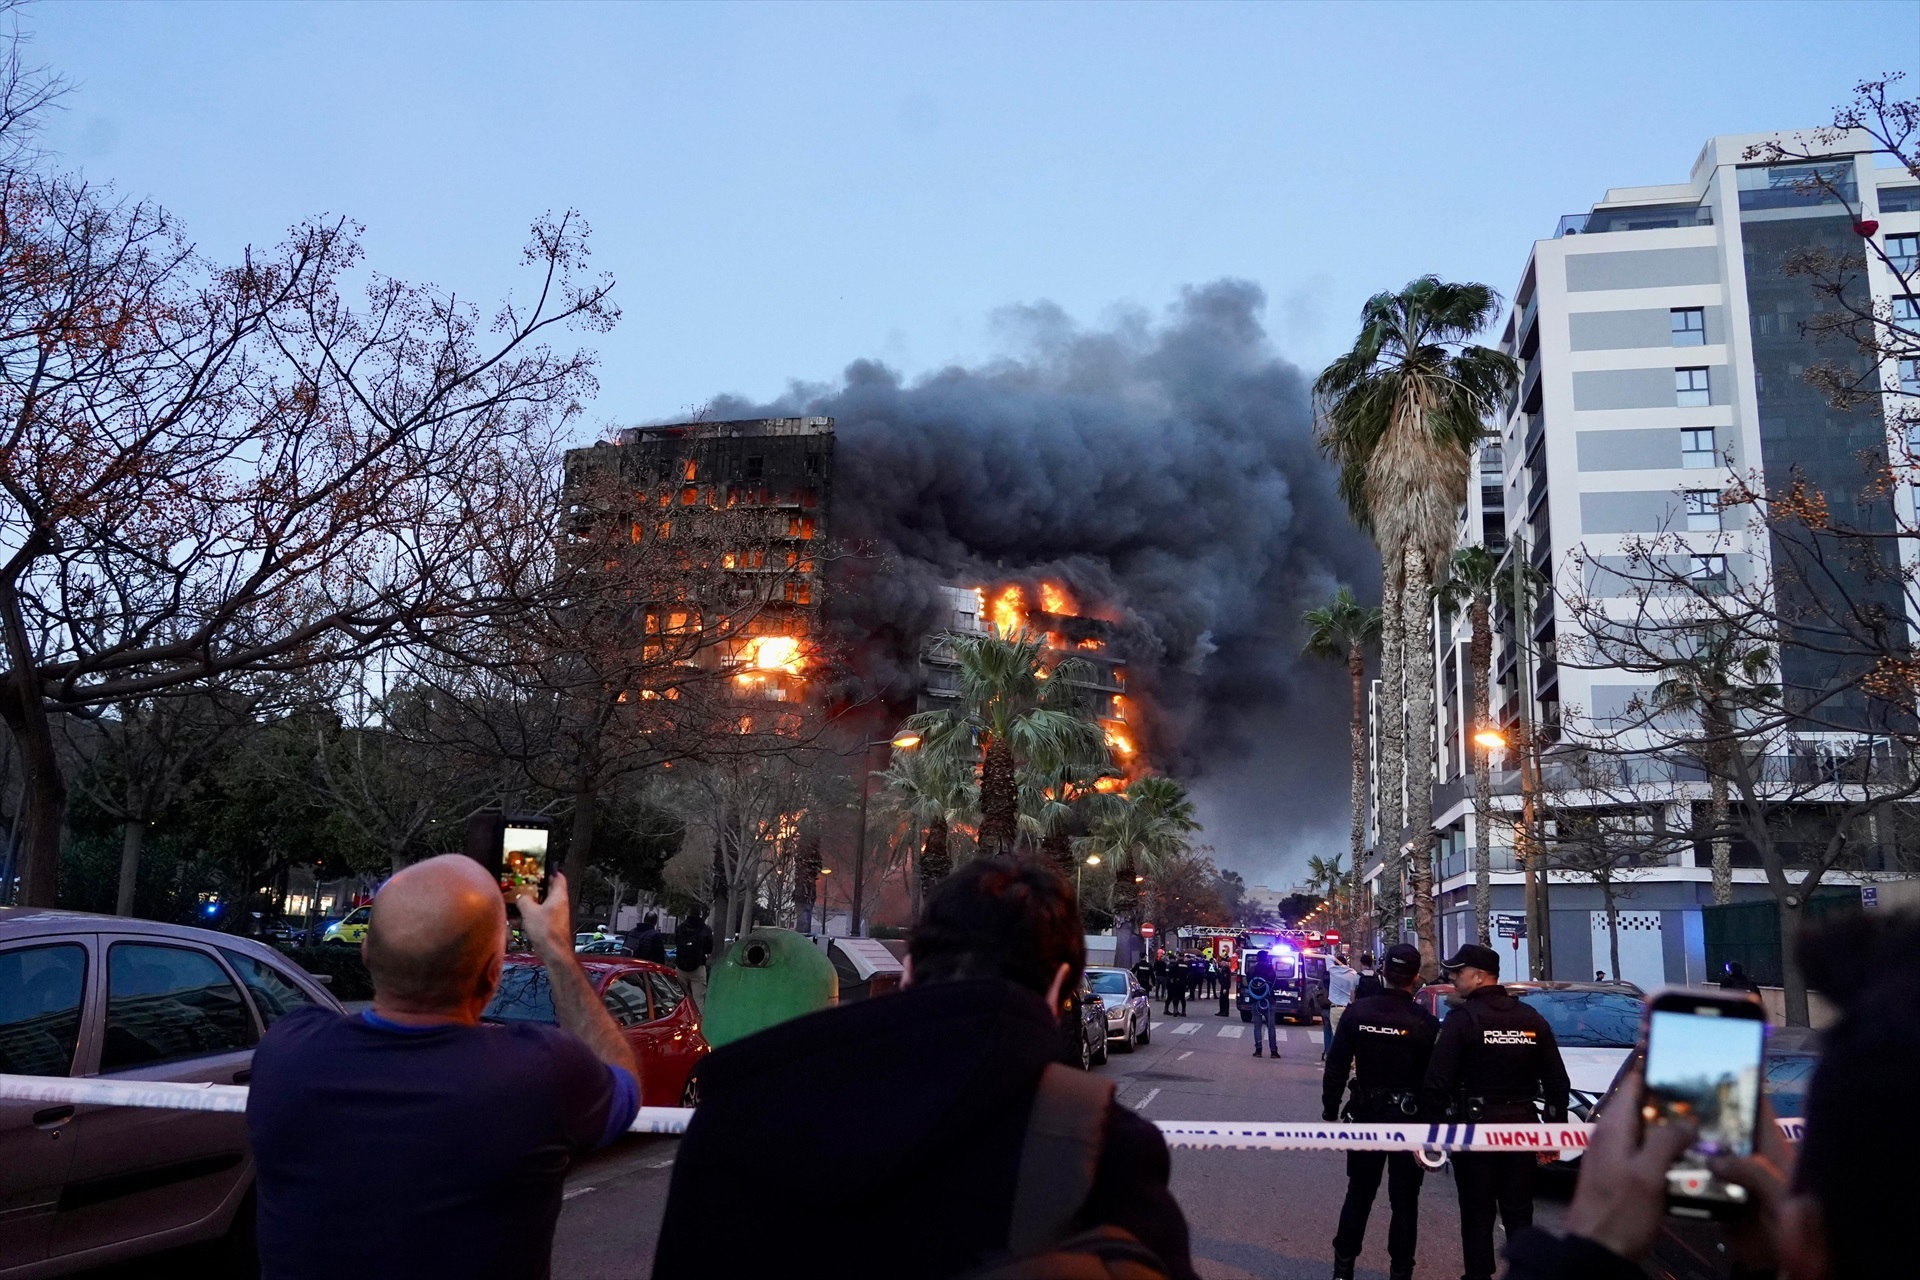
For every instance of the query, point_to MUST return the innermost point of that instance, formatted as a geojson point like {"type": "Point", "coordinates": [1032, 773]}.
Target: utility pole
{"type": "Point", "coordinates": [1533, 857]}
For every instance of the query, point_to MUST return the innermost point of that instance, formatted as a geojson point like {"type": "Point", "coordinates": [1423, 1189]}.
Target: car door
{"type": "Point", "coordinates": [676, 1042]}
{"type": "Point", "coordinates": [171, 1012]}
{"type": "Point", "coordinates": [625, 996]}
{"type": "Point", "coordinates": [43, 986]}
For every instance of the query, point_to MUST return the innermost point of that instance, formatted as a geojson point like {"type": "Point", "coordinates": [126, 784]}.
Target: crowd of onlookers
{"type": "Point", "coordinates": [931, 1133]}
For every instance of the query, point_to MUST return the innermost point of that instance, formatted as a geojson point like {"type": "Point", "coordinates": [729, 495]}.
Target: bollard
{"type": "Point", "coordinates": [766, 977]}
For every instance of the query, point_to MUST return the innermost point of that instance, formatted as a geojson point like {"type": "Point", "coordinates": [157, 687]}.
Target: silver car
{"type": "Point", "coordinates": [134, 1000]}
{"type": "Point", "coordinates": [1129, 1015]}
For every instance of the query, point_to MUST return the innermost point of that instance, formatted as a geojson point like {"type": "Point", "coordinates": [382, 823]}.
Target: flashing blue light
{"type": "Point", "coordinates": [213, 908]}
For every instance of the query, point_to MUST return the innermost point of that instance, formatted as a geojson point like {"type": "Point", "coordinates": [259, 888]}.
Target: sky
{"type": "Point", "coordinates": [781, 190]}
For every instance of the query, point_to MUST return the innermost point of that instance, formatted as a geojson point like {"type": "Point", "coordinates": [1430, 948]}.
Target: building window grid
{"type": "Point", "coordinates": [1696, 449]}
{"type": "Point", "coordinates": [1903, 252]}
{"type": "Point", "coordinates": [1689, 325]}
{"type": "Point", "coordinates": [1703, 511]}
{"type": "Point", "coordinates": [1708, 573]}
{"type": "Point", "coordinates": [1691, 389]}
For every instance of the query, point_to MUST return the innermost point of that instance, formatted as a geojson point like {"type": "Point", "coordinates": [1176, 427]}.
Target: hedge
{"type": "Point", "coordinates": [343, 964]}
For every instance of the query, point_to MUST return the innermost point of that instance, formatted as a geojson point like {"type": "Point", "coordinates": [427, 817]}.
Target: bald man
{"type": "Point", "coordinates": [412, 1138]}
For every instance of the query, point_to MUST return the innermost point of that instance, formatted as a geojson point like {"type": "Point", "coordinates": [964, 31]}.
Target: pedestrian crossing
{"type": "Point", "coordinates": [1233, 1033]}
{"type": "Point", "coordinates": [1186, 1028]}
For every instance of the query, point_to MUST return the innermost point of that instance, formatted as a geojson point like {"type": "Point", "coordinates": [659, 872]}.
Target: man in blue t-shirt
{"type": "Point", "coordinates": [411, 1139]}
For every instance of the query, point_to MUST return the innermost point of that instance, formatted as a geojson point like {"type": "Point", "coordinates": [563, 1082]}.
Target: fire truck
{"type": "Point", "coordinates": [1298, 973]}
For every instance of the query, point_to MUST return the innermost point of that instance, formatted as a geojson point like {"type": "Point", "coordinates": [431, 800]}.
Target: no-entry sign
{"type": "Point", "coordinates": [1146, 931]}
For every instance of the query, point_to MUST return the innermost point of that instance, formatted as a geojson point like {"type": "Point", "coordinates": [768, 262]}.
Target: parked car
{"type": "Point", "coordinates": [1299, 982]}
{"type": "Point", "coordinates": [1129, 1014]}
{"type": "Point", "coordinates": [1690, 1249]}
{"type": "Point", "coordinates": [649, 1002]}
{"type": "Point", "coordinates": [86, 995]}
{"type": "Point", "coordinates": [1083, 1026]}
{"type": "Point", "coordinates": [350, 930]}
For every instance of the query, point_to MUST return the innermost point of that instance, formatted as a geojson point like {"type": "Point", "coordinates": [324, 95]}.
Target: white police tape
{"type": "Point", "coordinates": [1203, 1134]}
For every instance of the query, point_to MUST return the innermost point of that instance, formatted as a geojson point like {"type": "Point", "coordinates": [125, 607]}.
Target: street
{"type": "Point", "coordinates": [1266, 1214]}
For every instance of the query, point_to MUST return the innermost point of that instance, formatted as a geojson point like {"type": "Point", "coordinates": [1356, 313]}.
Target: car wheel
{"type": "Point", "coordinates": [1146, 1029]}
{"type": "Point", "coordinates": [1100, 1050]}
{"type": "Point", "coordinates": [1129, 1040]}
{"type": "Point", "coordinates": [1086, 1052]}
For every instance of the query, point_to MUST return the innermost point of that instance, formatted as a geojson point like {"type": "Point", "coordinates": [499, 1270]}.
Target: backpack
{"type": "Point", "coordinates": [1058, 1160]}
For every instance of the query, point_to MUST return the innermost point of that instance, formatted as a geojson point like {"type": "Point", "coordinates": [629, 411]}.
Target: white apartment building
{"type": "Point", "coordinates": [1662, 352]}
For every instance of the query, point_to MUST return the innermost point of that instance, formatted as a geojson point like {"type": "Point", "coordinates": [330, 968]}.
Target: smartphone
{"type": "Point", "coordinates": [513, 849]}
{"type": "Point", "coordinates": [1705, 1051]}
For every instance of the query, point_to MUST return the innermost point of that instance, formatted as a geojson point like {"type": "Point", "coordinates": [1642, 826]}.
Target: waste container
{"type": "Point", "coordinates": [766, 977]}
{"type": "Point", "coordinates": [865, 967]}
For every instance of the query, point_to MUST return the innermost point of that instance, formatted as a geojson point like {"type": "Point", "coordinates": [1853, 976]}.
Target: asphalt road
{"type": "Point", "coordinates": [1266, 1214]}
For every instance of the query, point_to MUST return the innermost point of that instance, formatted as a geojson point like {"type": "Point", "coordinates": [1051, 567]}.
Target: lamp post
{"type": "Point", "coordinates": [902, 742]}
{"type": "Point", "coordinates": [1093, 860]}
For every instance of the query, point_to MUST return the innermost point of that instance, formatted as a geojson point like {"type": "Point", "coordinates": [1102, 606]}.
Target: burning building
{"type": "Point", "coordinates": [737, 514]}
{"type": "Point", "coordinates": [1008, 609]}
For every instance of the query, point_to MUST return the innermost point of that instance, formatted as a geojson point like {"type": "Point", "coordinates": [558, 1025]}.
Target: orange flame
{"type": "Point", "coordinates": [1054, 599]}
{"type": "Point", "coordinates": [770, 655]}
{"type": "Point", "coordinates": [1092, 644]}
{"type": "Point", "coordinates": [1119, 743]}
{"type": "Point", "coordinates": [1010, 611]}
{"type": "Point", "coordinates": [1109, 786]}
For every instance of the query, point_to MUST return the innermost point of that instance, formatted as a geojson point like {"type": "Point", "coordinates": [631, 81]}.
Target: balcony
{"type": "Point", "coordinates": [1460, 862]}
{"type": "Point", "coordinates": [1638, 218]}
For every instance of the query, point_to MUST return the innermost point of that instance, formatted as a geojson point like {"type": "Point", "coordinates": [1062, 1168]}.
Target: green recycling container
{"type": "Point", "coordinates": [766, 977]}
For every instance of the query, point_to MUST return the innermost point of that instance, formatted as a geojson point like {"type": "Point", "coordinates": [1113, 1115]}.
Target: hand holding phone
{"type": "Point", "coordinates": [1704, 1059]}
{"type": "Point", "coordinates": [548, 921]}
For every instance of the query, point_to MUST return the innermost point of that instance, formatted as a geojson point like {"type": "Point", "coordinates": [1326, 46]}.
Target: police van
{"type": "Point", "coordinates": [1298, 974]}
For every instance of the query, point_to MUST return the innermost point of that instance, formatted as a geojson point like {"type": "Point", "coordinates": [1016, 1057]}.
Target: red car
{"type": "Point", "coordinates": [649, 1002]}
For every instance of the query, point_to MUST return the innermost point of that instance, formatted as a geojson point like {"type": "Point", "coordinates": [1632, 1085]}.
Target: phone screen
{"type": "Point", "coordinates": [523, 862]}
{"type": "Point", "coordinates": [1704, 1069]}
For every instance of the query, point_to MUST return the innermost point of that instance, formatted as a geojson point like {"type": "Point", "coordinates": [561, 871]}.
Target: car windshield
{"type": "Point", "coordinates": [525, 995]}
{"type": "Point", "coordinates": [1108, 984]}
{"type": "Point", "coordinates": [1589, 1019]}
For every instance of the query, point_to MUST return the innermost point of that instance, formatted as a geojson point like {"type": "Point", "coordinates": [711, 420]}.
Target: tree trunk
{"type": "Point", "coordinates": [1057, 848]}
{"type": "Point", "coordinates": [1717, 808]}
{"type": "Point", "coordinates": [935, 861]}
{"type": "Point", "coordinates": [999, 801]}
{"type": "Point", "coordinates": [1613, 928]}
{"type": "Point", "coordinates": [133, 837]}
{"type": "Point", "coordinates": [1480, 653]}
{"type": "Point", "coordinates": [43, 793]}
{"type": "Point", "coordinates": [1794, 980]}
{"type": "Point", "coordinates": [579, 849]}
{"type": "Point", "coordinates": [720, 898]}
{"type": "Point", "coordinates": [1357, 670]}
{"type": "Point", "coordinates": [1389, 785]}
{"type": "Point", "coordinates": [1417, 663]}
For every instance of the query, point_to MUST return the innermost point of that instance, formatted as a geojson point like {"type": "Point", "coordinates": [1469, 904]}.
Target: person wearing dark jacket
{"type": "Point", "coordinates": [1176, 988]}
{"type": "Point", "coordinates": [898, 1123]}
{"type": "Point", "coordinates": [1493, 1057]}
{"type": "Point", "coordinates": [647, 943]}
{"type": "Point", "coordinates": [1386, 1041]}
{"type": "Point", "coordinates": [692, 945]}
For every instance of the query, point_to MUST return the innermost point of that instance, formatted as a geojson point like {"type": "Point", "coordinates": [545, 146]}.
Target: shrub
{"type": "Point", "coordinates": [343, 964]}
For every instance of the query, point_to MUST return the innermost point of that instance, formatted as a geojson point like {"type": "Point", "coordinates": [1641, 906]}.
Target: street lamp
{"type": "Point", "coordinates": [1093, 860]}
{"type": "Point", "coordinates": [905, 741]}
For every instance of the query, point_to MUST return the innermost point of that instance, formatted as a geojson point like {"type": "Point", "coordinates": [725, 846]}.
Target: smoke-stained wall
{"type": "Point", "coordinates": [1165, 471]}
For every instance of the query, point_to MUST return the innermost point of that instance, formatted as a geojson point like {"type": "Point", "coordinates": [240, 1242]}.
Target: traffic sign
{"type": "Point", "coordinates": [1146, 931]}
{"type": "Point", "coordinates": [1514, 927]}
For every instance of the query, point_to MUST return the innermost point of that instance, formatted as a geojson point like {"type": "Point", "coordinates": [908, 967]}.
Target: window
{"type": "Point", "coordinates": [40, 994]}
{"type": "Point", "coordinates": [667, 993]}
{"type": "Point", "coordinates": [525, 994]}
{"type": "Point", "coordinates": [1910, 377]}
{"type": "Point", "coordinates": [1906, 307]}
{"type": "Point", "coordinates": [1690, 389]}
{"type": "Point", "coordinates": [1689, 326]}
{"type": "Point", "coordinates": [626, 1000]}
{"type": "Point", "coordinates": [691, 470]}
{"type": "Point", "coordinates": [1703, 511]}
{"type": "Point", "coordinates": [169, 1003]}
{"type": "Point", "coordinates": [1708, 574]}
{"type": "Point", "coordinates": [1696, 448]}
{"type": "Point", "coordinates": [1903, 252]}
{"type": "Point", "coordinates": [756, 467]}
{"type": "Point", "coordinates": [689, 496]}
{"type": "Point", "coordinates": [274, 993]}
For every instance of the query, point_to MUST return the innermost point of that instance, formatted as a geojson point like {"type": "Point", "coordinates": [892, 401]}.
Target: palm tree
{"type": "Point", "coordinates": [1343, 630]}
{"type": "Point", "coordinates": [933, 794]}
{"type": "Point", "coordinates": [1049, 801]}
{"type": "Point", "coordinates": [1471, 577]}
{"type": "Point", "coordinates": [1399, 414]}
{"type": "Point", "coordinates": [1136, 833]}
{"type": "Point", "coordinates": [1719, 676]}
{"type": "Point", "coordinates": [1013, 710]}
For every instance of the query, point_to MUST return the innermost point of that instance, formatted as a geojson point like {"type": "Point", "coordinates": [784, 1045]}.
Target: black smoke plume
{"type": "Point", "coordinates": [1165, 472]}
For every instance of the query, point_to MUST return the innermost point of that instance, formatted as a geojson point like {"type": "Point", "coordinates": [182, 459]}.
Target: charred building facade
{"type": "Point", "coordinates": [738, 513]}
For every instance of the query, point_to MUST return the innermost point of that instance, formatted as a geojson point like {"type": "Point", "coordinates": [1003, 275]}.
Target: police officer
{"type": "Point", "coordinates": [1260, 1001]}
{"type": "Point", "coordinates": [1386, 1039]}
{"type": "Point", "coordinates": [1493, 1057]}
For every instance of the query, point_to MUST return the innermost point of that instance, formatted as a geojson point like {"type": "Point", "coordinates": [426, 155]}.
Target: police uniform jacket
{"type": "Point", "coordinates": [1494, 1056]}
{"type": "Point", "coordinates": [1386, 1040]}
